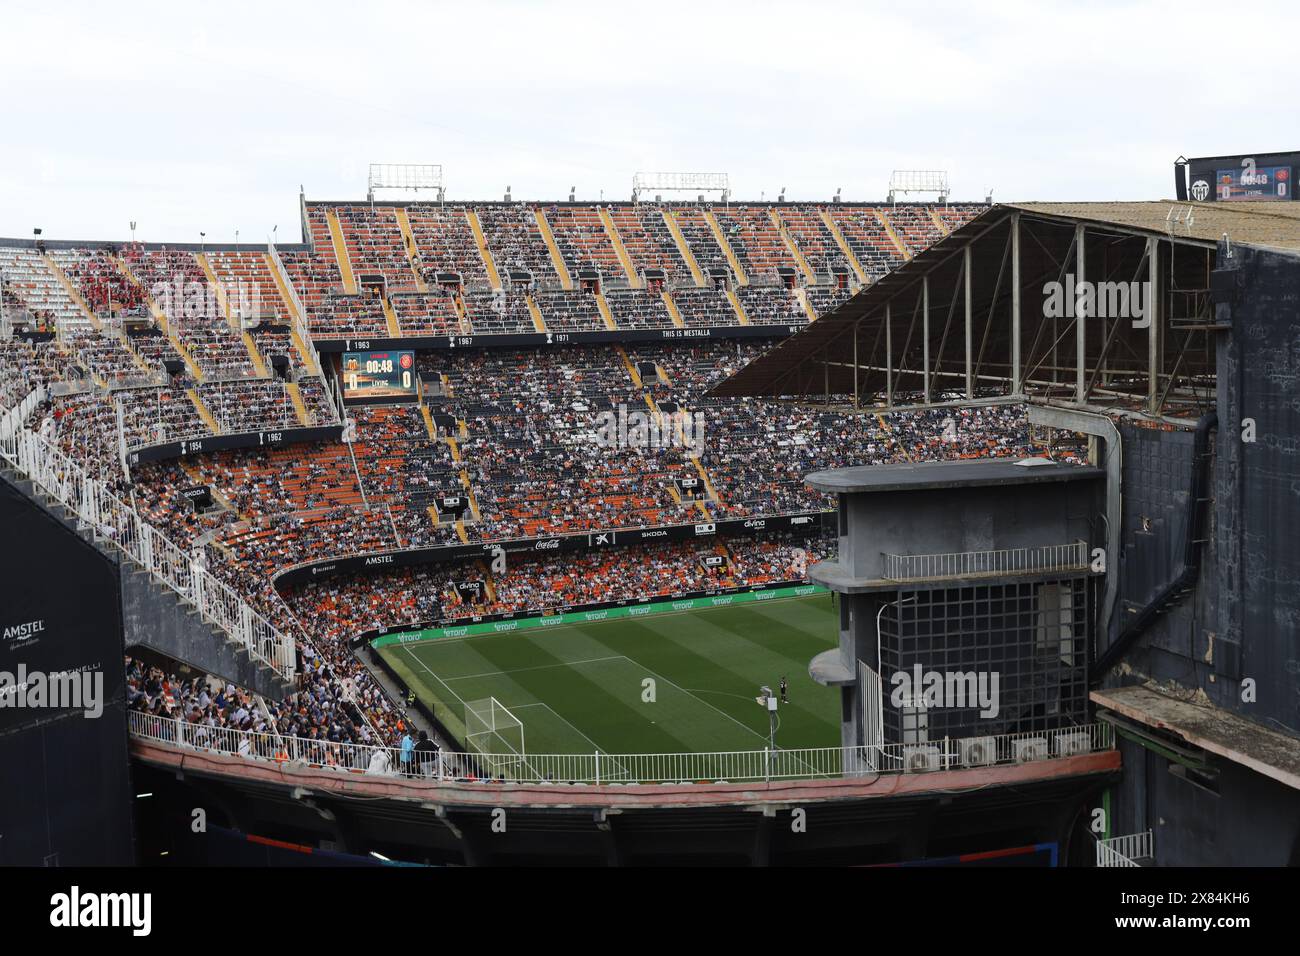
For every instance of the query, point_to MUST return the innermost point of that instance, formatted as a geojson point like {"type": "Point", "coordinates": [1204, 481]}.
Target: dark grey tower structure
{"type": "Point", "coordinates": [977, 574]}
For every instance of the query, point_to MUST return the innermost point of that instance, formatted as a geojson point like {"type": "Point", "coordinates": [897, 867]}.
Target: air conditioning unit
{"type": "Point", "coordinates": [1029, 748]}
{"type": "Point", "coordinates": [1073, 743]}
{"type": "Point", "coordinates": [979, 751]}
{"type": "Point", "coordinates": [918, 759]}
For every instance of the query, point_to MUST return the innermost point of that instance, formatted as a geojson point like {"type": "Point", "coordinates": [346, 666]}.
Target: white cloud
{"type": "Point", "coordinates": [208, 117]}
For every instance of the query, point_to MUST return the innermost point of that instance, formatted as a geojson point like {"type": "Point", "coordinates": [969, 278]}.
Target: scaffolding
{"type": "Point", "coordinates": [405, 176]}
{"type": "Point", "coordinates": [919, 181]}
{"type": "Point", "coordinates": [699, 183]}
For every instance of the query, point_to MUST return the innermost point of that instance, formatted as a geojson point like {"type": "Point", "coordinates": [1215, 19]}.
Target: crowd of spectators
{"type": "Point", "coordinates": [522, 445]}
{"type": "Point", "coordinates": [339, 608]}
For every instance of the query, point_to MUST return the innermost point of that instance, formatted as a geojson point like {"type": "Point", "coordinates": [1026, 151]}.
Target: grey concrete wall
{"type": "Point", "coordinates": [155, 617]}
{"type": "Point", "coordinates": [936, 521]}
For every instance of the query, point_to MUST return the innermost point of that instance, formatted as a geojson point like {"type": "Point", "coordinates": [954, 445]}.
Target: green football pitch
{"type": "Point", "coordinates": [682, 682]}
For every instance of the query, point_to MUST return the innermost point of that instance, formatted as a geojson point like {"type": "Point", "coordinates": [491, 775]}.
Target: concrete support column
{"type": "Point", "coordinates": [1015, 304]}
{"type": "Point", "coordinates": [970, 358]}
{"type": "Point", "coordinates": [1080, 323]}
{"type": "Point", "coordinates": [925, 337]}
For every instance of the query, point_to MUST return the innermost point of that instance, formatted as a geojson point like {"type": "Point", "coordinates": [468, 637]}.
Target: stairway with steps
{"type": "Point", "coordinates": [156, 616]}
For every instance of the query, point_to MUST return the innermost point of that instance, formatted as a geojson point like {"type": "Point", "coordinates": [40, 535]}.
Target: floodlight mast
{"type": "Point", "coordinates": [768, 700]}
{"type": "Point", "coordinates": [412, 176]}
{"type": "Point", "coordinates": [681, 182]}
{"type": "Point", "coordinates": [919, 181]}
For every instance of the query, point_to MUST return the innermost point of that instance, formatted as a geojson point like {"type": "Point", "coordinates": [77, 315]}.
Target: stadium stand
{"type": "Point", "coordinates": [756, 241]}
{"type": "Point", "coordinates": [765, 305]}
{"type": "Point", "coordinates": [637, 309]}
{"type": "Point", "coordinates": [445, 242]}
{"type": "Point", "coordinates": [515, 241]}
{"type": "Point", "coordinates": [583, 241]}
{"type": "Point", "coordinates": [570, 311]}
{"type": "Point", "coordinates": [523, 446]}
{"type": "Point", "coordinates": [498, 312]}
{"type": "Point", "coordinates": [649, 242]}
{"type": "Point", "coordinates": [706, 307]}
{"type": "Point", "coordinates": [868, 239]}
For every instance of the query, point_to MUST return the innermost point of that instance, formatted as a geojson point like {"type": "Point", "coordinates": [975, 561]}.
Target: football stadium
{"type": "Point", "coordinates": [694, 525]}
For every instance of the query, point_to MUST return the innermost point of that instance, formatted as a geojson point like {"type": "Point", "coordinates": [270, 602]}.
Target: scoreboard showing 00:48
{"type": "Point", "coordinates": [370, 375]}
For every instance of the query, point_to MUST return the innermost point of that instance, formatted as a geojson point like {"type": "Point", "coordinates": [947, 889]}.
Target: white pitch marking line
{"type": "Point", "coordinates": [537, 667]}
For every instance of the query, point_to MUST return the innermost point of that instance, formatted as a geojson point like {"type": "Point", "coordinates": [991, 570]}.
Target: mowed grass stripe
{"type": "Point", "coordinates": [733, 686]}
{"type": "Point", "coordinates": [707, 663]}
{"type": "Point", "coordinates": [590, 696]}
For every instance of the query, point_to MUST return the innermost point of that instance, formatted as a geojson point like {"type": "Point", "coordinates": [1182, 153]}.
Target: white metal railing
{"type": "Point", "coordinates": [873, 709]}
{"type": "Point", "coordinates": [613, 769]}
{"type": "Point", "coordinates": [118, 523]}
{"type": "Point", "coordinates": [11, 421]}
{"type": "Point", "coordinates": [1125, 850]}
{"type": "Point", "coordinates": [961, 564]}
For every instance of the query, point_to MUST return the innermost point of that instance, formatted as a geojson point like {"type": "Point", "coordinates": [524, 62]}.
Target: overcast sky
{"type": "Point", "coordinates": [189, 117]}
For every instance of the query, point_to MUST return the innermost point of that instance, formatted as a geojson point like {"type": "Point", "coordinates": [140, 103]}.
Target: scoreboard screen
{"type": "Point", "coordinates": [371, 375]}
{"type": "Point", "coordinates": [1262, 177]}
{"type": "Point", "coordinates": [1251, 182]}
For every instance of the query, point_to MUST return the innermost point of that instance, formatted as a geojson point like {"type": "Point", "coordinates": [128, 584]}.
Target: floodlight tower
{"type": "Point", "coordinates": [768, 700]}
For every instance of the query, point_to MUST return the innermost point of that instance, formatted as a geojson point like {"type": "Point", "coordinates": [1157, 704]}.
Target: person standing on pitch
{"type": "Point", "coordinates": [785, 687]}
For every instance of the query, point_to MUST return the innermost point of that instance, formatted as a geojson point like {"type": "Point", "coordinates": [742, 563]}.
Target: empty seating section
{"type": "Point", "coordinates": [771, 305]}
{"type": "Point", "coordinates": [498, 312]}
{"type": "Point", "coordinates": [700, 238]}
{"type": "Point", "coordinates": [276, 340]}
{"type": "Point", "coordinates": [914, 226]}
{"type": "Point", "coordinates": [823, 298]}
{"type": "Point", "coordinates": [375, 244]}
{"type": "Point", "coordinates": [868, 239]}
{"type": "Point", "coordinates": [151, 347]}
{"type": "Point", "coordinates": [754, 239]}
{"type": "Point", "coordinates": [570, 311]}
{"type": "Point", "coordinates": [426, 313]}
{"type": "Point", "coordinates": [958, 215]}
{"type": "Point", "coordinates": [814, 240]}
{"type": "Point", "coordinates": [35, 289]}
{"type": "Point", "coordinates": [315, 276]}
{"type": "Point", "coordinates": [445, 243]}
{"type": "Point", "coordinates": [649, 243]}
{"type": "Point", "coordinates": [705, 307]}
{"type": "Point", "coordinates": [583, 242]}
{"type": "Point", "coordinates": [638, 309]}
{"type": "Point", "coordinates": [194, 311]}
{"type": "Point", "coordinates": [515, 242]}
{"type": "Point", "coordinates": [250, 287]}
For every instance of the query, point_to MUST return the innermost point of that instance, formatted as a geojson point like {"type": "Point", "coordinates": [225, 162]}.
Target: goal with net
{"type": "Point", "coordinates": [492, 731]}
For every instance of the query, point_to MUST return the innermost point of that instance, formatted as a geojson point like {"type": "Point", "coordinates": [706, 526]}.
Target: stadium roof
{"type": "Point", "coordinates": [928, 475]}
{"type": "Point", "coordinates": [1274, 225]}
{"type": "Point", "coordinates": [877, 332]}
